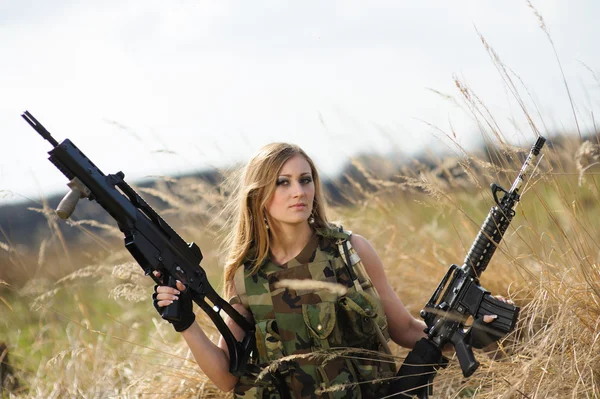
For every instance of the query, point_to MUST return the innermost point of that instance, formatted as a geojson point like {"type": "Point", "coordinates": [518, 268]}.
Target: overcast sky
{"type": "Point", "coordinates": [163, 87]}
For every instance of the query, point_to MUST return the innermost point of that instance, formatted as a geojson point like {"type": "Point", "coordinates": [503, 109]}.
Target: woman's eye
{"type": "Point", "coordinates": [286, 182]}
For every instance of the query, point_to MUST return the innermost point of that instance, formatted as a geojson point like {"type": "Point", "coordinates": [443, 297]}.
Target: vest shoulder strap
{"type": "Point", "coordinates": [363, 283]}
{"type": "Point", "coordinates": [355, 267]}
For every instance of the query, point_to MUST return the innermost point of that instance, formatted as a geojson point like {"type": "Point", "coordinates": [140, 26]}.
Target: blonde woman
{"type": "Point", "coordinates": [308, 286]}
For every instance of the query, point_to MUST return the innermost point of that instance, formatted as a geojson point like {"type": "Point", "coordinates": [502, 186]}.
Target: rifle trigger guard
{"type": "Point", "coordinates": [495, 188]}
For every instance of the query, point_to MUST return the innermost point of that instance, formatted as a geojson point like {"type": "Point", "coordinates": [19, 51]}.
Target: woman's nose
{"type": "Point", "coordinates": [298, 190]}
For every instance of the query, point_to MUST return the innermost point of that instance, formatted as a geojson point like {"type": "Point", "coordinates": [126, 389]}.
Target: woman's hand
{"type": "Point", "coordinates": [165, 296]}
{"type": "Point", "coordinates": [212, 359]}
{"type": "Point", "coordinates": [491, 317]}
{"type": "Point", "coordinates": [480, 335]}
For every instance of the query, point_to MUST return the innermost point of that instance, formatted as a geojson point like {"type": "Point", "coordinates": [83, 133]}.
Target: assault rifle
{"type": "Point", "coordinates": [152, 242]}
{"type": "Point", "coordinates": [460, 296]}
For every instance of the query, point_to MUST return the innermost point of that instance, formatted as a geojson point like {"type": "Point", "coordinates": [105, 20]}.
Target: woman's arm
{"type": "Point", "coordinates": [212, 359]}
{"type": "Point", "coordinates": [404, 329]}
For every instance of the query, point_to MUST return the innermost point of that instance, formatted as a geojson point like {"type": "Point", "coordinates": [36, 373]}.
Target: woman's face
{"type": "Point", "coordinates": [292, 200]}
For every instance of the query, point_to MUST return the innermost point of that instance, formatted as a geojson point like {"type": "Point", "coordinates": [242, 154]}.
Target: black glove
{"type": "Point", "coordinates": [482, 334]}
{"type": "Point", "coordinates": [415, 377]}
{"type": "Point", "coordinates": [185, 310]}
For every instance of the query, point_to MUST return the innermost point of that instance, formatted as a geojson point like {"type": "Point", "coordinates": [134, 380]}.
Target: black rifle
{"type": "Point", "coordinates": [460, 296]}
{"type": "Point", "coordinates": [151, 241]}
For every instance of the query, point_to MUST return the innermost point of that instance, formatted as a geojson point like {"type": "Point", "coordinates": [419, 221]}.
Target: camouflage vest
{"type": "Point", "coordinates": [293, 322]}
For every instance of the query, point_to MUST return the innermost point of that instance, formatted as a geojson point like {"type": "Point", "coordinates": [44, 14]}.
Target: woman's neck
{"type": "Point", "coordinates": [287, 241]}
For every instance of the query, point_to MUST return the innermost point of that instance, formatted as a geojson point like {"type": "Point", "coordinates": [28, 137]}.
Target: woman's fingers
{"type": "Point", "coordinates": [165, 300]}
{"type": "Point", "coordinates": [165, 295]}
{"type": "Point", "coordinates": [501, 298]}
{"type": "Point", "coordinates": [165, 289]}
{"type": "Point", "coordinates": [180, 286]}
{"type": "Point", "coordinates": [491, 317]}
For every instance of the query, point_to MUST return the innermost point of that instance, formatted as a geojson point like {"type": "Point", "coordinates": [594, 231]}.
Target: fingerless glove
{"type": "Point", "coordinates": [186, 310]}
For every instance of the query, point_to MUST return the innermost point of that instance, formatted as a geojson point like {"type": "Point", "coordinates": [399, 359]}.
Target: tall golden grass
{"type": "Point", "coordinates": [93, 333]}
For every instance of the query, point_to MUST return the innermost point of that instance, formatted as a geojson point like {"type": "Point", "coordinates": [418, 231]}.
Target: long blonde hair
{"type": "Point", "coordinates": [247, 237]}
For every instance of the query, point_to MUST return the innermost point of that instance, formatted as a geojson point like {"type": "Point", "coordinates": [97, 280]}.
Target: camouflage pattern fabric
{"type": "Point", "coordinates": [304, 322]}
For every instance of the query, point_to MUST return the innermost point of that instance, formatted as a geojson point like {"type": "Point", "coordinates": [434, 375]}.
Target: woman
{"type": "Point", "coordinates": [280, 240]}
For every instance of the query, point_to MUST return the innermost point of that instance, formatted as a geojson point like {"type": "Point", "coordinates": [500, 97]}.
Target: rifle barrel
{"type": "Point", "coordinates": [39, 128]}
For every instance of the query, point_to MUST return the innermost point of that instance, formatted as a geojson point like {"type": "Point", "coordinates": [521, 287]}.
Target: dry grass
{"type": "Point", "coordinates": [548, 264]}
{"type": "Point", "coordinates": [92, 333]}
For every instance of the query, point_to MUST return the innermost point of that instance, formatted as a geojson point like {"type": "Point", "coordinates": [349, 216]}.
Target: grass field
{"type": "Point", "coordinates": [90, 330]}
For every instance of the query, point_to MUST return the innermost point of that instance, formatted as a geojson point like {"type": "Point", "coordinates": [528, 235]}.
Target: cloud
{"type": "Point", "coordinates": [198, 77]}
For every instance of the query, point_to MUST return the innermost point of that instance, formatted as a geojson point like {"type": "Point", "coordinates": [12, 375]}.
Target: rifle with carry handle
{"type": "Point", "coordinates": [150, 240]}
{"type": "Point", "coordinates": [460, 296]}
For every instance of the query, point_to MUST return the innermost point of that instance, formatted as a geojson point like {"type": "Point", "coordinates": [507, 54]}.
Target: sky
{"type": "Point", "coordinates": [155, 88]}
